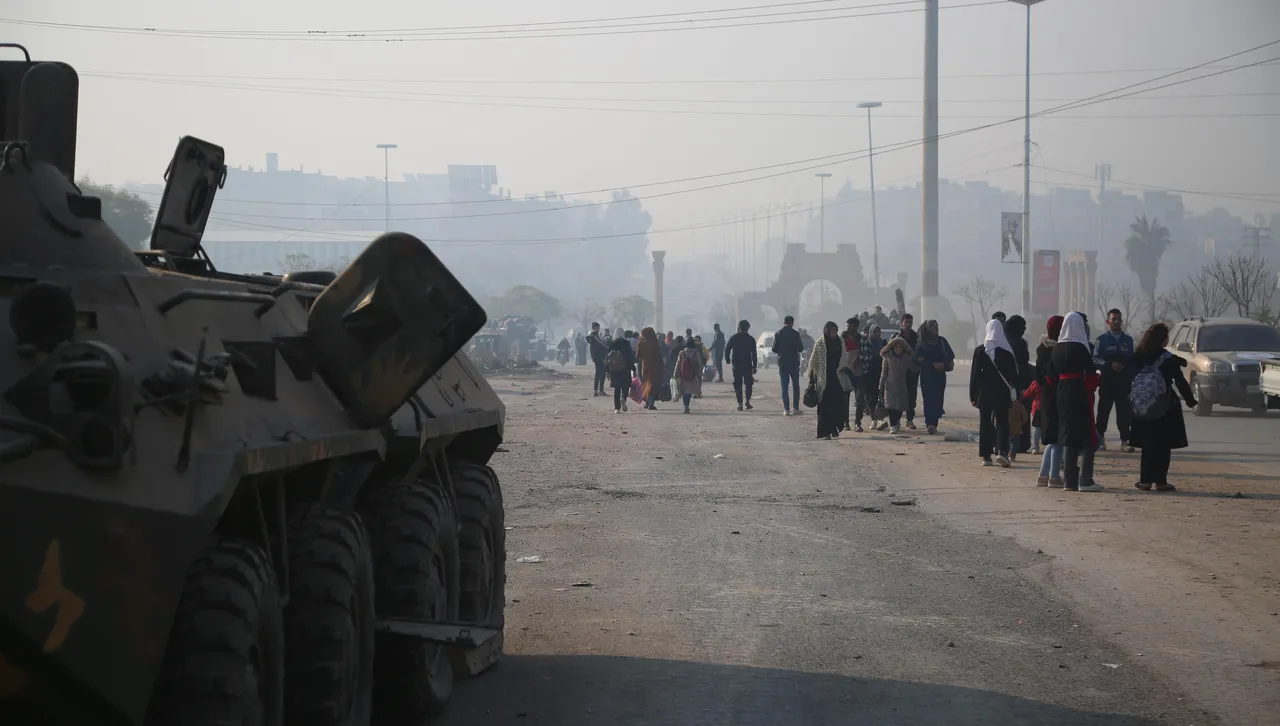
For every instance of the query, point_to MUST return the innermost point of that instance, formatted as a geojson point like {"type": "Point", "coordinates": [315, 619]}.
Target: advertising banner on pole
{"type": "Point", "coordinates": [1010, 235]}
{"type": "Point", "coordinates": [1045, 282]}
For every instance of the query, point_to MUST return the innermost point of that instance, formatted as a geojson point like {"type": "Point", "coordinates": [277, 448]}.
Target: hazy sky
{"type": "Point", "coordinates": [458, 98]}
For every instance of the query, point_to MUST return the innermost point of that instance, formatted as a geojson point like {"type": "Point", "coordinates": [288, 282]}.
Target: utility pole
{"type": "Point", "coordinates": [822, 226]}
{"type": "Point", "coordinates": [871, 162]}
{"type": "Point", "coordinates": [754, 245]}
{"type": "Point", "coordinates": [386, 182]}
{"type": "Point", "coordinates": [1026, 176]}
{"type": "Point", "coordinates": [768, 224]}
{"type": "Point", "coordinates": [929, 183]}
{"type": "Point", "coordinates": [1102, 172]}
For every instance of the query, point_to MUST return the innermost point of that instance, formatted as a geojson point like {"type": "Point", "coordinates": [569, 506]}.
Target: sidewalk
{"type": "Point", "coordinates": [1189, 579]}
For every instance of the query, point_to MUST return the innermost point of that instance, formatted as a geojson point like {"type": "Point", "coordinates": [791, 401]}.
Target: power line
{"type": "Point", "coordinates": [318, 37]}
{"type": "Point", "coordinates": [671, 81]}
{"type": "Point", "coordinates": [1130, 185]}
{"type": "Point", "coordinates": [1125, 91]}
{"type": "Point", "coordinates": [429, 95]}
{"type": "Point", "coordinates": [440, 29]}
{"type": "Point", "coordinates": [340, 93]}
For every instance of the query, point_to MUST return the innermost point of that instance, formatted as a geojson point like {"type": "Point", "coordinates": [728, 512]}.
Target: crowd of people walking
{"type": "Point", "coordinates": [1043, 406]}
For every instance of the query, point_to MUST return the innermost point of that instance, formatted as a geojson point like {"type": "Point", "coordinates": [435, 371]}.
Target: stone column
{"type": "Point", "coordinates": [1091, 280]}
{"type": "Point", "coordinates": [658, 265]}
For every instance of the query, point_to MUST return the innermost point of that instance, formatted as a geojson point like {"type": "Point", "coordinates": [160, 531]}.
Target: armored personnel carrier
{"type": "Point", "coordinates": [228, 498]}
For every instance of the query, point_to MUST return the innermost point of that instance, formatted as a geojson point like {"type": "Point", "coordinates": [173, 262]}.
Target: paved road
{"type": "Point", "coordinates": [680, 588]}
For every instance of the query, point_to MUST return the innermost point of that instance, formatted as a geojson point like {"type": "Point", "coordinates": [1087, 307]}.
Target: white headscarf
{"type": "Point", "coordinates": [996, 339]}
{"type": "Point", "coordinates": [1074, 330]}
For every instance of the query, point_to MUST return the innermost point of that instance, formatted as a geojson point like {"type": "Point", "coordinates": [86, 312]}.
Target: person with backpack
{"type": "Point", "coordinates": [1157, 426]}
{"type": "Point", "coordinates": [740, 353]}
{"type": "Point", "coordinates": [992, 390]}
{"type": "Point", "coordinates": [934, 358]}
{"type": "Point", "coordinates": [689, 363]}
{"type": "Point", "coordinates": [621, 363]}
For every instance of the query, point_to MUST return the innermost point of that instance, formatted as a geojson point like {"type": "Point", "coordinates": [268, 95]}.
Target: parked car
{"type": "Point", "coordinates": [765, 356]}
{"type": "Point", "coordinates": [1224, 360]}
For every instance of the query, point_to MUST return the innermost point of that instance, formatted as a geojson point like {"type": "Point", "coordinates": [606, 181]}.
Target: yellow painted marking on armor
{"type": "Point", "coordinates": [49, 592]}
{"type": "Point", "coordinates": [13, 680]}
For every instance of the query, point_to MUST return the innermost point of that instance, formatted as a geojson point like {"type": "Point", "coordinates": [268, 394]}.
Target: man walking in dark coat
{"type": "Point", "coordinates": [717, 352]}
{"type": "Point", "coordinates": [740, 353]}
{"type": "Point", "coordinates": [788, 345]}
{"type": "Point", "coordinates": [599, 349]}
{"type": "Point", "coordinates": [1113, 355]}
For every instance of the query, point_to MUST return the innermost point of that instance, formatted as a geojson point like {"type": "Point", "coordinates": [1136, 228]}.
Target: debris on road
{"type": "Point", "coordinates": [584, 583]}
{"type": "Point", "coordinates": [870, 510]}
{"type": "Point", "coordinates": [530, 560]}
{"type": "Point", "coordinates": [735, 532]}
{"type": "Point", "coordinates": [903, 502]}
{"type": "Point", "coordinates": [1111, 665]}
{"type": "Point", "coordinates": [718, 456]}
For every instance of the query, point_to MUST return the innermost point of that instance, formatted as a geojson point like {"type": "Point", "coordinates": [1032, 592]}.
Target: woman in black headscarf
{"type": "Point", "coordinates": [824, 367]}
{"type": "Point", "coordinates": [1014, 330]}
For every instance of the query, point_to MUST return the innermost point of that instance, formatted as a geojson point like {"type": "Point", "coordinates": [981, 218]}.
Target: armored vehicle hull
{"type": "Point", "coordinates": [226, 498]}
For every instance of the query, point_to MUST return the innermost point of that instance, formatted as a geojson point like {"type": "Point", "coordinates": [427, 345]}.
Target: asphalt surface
{"type": "Point", "coordinates": [679, 588]}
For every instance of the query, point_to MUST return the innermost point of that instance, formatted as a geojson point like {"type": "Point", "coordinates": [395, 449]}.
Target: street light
{"type": "Point", "coordinates": [386, 181]}
{"type": "Point", "coordinates": [1026, 176]}
{"type": "Point", "coordinates": [871, 161]}
{"type": "Point", "coordinates": [822, 225]}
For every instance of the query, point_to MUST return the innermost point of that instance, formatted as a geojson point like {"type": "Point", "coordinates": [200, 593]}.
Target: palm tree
{"type": "Point", "coordinates": [1143, 250]}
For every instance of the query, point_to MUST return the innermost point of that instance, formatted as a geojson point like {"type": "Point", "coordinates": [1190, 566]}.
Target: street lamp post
{"type": "Point", "coordinates": [871, 162]}
{"type": "Point", "coordinates": [1026, 175]}
{"type": "Point", "coordinates": [822, 225]}
{"type": "Point", "coordinates": [386, 182]}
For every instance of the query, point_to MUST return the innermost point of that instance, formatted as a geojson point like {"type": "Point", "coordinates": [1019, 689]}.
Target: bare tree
{"type": "Point", "coordinates": [980, 295]}
{"type": "Point", "coordinates": [1212, 297]}
{"type": "Point", "coordinates": [1180, 302]}
{"type": "Point", "coordinates": [1247, 282]}
{"type": "Point", "coordinates": [1121, 297]}
{"type": "Point", "coordinates": [1103, 294]}
{"type": "Point", "coordinates": [1129, 301]}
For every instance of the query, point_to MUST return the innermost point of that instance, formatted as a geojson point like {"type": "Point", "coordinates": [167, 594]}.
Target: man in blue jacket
{"type": "Point", "coordinates": [1113, 355]}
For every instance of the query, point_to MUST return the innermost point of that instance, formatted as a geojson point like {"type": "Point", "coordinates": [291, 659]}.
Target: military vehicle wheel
{"type": "Point", "coordinates": [225, 660]}
{"type": "Point", "coordinates": [415, 571]}
{"type": "Point", "coordinates": [329, 622]}
{"type": "Point", "coordinates": [482, 546]}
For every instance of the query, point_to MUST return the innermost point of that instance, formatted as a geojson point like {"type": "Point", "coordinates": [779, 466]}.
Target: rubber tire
{"type": "Point", "coordinates": [329, 621]}
{"type": "Point", "coordinates": [415, 567]}
{"type": "Point", "coordinates": [482, 546]}
{"type": "Point", "coordinates": [228, 624]}
{"type": "Point", "coordinates": [1204, 407]}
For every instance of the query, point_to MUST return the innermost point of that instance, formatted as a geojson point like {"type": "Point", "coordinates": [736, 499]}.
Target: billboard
{"type": "Point", "coordinates": [1044, 283]}
{"type": "Point", "coordinates": [1010, 234]}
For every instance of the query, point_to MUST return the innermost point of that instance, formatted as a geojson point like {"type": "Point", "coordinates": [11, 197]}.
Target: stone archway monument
{"type": "Point", "coordinates": [843, 268]}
